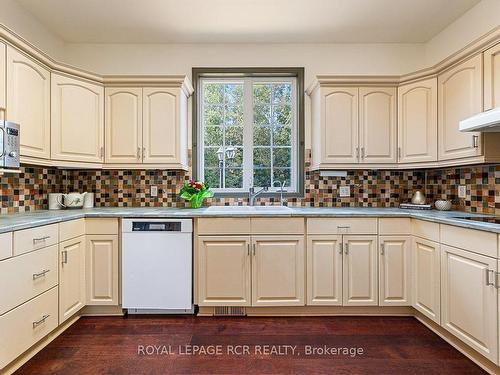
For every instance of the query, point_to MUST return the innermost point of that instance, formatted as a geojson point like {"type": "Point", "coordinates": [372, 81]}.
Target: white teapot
{"type": "Point", "coordinates": [72, 200]}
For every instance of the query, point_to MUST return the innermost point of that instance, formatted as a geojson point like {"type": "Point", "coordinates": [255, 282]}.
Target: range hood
{"type": "Point", "coordinates": [488, 121]}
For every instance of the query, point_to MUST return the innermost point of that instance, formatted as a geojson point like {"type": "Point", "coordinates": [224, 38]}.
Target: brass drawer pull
{"type": "Point", "coordinates": [42, 320]}
{"type": "Point", "coordinates": [487, 273]}
{"type": "Point", "coordinates": [40, 274]}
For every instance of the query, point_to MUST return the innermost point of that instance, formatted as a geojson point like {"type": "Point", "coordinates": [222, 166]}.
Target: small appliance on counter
{"type": "Point", "coordinates": [9, 140]}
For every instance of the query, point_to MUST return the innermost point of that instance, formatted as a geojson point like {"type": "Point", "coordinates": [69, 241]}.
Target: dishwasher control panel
{"type": "Point", "coordinates": [156, 226]}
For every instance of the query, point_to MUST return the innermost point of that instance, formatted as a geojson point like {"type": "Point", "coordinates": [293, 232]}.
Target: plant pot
{"type": "Point", "coordinates": [197, 201]}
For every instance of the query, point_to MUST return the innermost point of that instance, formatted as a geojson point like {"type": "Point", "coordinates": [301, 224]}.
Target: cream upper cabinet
{"type": "Point", "coordinates": [426, 294]}
{"type": "Point", "coordinates": [470, 299]}
{"type": "Point", "coordinates": [101, 269]}
{"type": "Point", "coordinates": [460, 92]}
{"type": "Point", "coordinates": [165, 126]}
{"type": "Point", "coordinates": [360, 275]}
{"type": "Point", "coordinates": [394, 270]}
{"type": "Point", "coordinates": [77, 109]}
{"type": "Point", "coordinates": [28, 103]}
{"type": "Point", "coordinates": [377, 124]}
{"type": "Point", "coordinates": [278, 277]}
{"type": "Point", "coordinates": [71, 277]}
{"type": "Point", "coordinates": [324, 270]}
{"type": "Point", "coordinates": [336, 135]}
{"type": "Point", "coordinates": [3, 81]}
{"type": "Point", "coordinates": [123, 125]}
{"type": "Point", "coordinates": [492, 78]}
{"type": "Point", "coordinates": [224, 271]}
{"type": "Point", "coordinates": [417, 121]}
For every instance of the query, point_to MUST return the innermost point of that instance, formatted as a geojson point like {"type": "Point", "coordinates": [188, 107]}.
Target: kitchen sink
{"type": "Point", "coordinates": [272, 208]}
{"type": "Point", "coordinates": [249, 209]}
{"type": "Point", "coordinates": [228, 208]}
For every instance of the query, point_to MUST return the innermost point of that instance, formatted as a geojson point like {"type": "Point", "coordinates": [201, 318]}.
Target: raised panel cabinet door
{"type": "Point", "coordinates": [3, 80]}
{"type": "Point", "coordinates": [224, 271]}
{"type": "Point", "coordinates": [426, 293]}
{"type": "Point", "coordinates": [460, 92]}
{"type": "Point", "coordinates": [339, 125]}
{"type": "Point", "coordinates": [102, 269]}
{"type": "Point", "coordinates": [278, 274]}
{"type": "Point", "coordinates": [417, 121]}
{"type": "Point", "coordinates": [163, 128]}
{"type": "Point", "coordinates": [492, 77]}
{"type": "Point", "coordinates": [28, 103]}
{"type": "Point", "coordinates": [470, 299]}
{"type": "Point", "coordinates": [123, 125]}
{"type": "Point", "coordinates": [324, 270]}
{"type": "Point", "coordinates": [71, 277]}
{"type": "Point", "coordinates": [360, 276]}
{"type": "Point", "coordinates": [394, 270]}
{"type": "Point", "coordinates": [377, 124]}
{"type": "Point", "coordinates": [77, 109]}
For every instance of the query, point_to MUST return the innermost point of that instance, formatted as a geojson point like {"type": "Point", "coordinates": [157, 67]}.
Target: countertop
{"type": "Point", "coordinates": [13, 222]}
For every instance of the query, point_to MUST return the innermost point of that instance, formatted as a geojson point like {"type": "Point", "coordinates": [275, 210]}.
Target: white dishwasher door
{"type": "Point", "coordinates": [156, 267]}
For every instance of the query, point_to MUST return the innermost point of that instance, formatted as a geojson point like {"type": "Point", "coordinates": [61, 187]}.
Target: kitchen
{"type": "Point", "coordinates": [260, 188]}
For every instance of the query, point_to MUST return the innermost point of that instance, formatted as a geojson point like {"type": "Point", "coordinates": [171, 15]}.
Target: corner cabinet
{"type": "Point", "coordinates": [417, 122]}
{"type": "Point", "coordinates": [71, 277]}
{"type": "Point", "coordinates": [28, 103]}
{"type": "Point", "coordinates": [460, 92]}
{"type": "Point", "coordinates": [77, 110]}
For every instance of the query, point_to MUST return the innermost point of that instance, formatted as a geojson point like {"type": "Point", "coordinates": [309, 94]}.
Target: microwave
{"type": "Point", "coordinates": [9, 141]}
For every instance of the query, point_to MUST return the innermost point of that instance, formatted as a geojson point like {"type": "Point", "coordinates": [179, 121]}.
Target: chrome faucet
{"type": "Point", "coordinates": [281, 191]}
{"type": "Point", "coordinates": [252, 194]}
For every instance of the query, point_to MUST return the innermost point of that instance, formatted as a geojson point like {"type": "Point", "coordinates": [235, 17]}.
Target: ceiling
{"type": "Point", "coordinates": [246, 21]}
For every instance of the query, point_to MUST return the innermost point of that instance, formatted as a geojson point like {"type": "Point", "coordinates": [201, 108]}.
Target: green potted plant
{"type": "Point", "coordinates": [195, 192]}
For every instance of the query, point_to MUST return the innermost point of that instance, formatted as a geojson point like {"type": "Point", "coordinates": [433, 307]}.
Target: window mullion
{"type": "Point", "coordinates": [247, 134]}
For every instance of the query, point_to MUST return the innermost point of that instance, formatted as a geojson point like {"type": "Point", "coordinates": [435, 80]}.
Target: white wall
{"type": "Point", "coordinates": [23, 23]}
{"type": "Point", "coordinates": [478, 21]}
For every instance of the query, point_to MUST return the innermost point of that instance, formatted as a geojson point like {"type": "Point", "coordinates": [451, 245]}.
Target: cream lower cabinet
{"type": "Point", "coordinates": [324, 270]}
{"type": "Point", "coordinates": [492, 78]}
{"type": "Point", "coordinates": [394, 270]}
{"type": "Point", "coordinates": [278, 271]}
{"type": "Point", "coordinates": [71, 277]}
{"type": "Point", "coordinates": [102, 276]}
{"type": "Point", "coordinates": [77, 111]}
{"type": "Point", "coordinates": [224, 271]}
{"type": "Point", "coordinates": [469, 299]}
{"type": "Point", "coordinates": [426, 292]}
{"type": "Point", "coordinates": [417, 121]}
{"type": "Point", "coordinates": [28, 103]}
{"type": "Point", "coordinates": [360, 276]}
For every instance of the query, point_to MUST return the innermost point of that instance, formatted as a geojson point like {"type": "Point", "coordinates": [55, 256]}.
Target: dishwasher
{"type": "Point", "coordinates": [157, 266]}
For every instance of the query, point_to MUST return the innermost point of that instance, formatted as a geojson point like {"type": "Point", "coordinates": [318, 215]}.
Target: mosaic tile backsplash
{"type": "Point", "coordinates": [28, 190]}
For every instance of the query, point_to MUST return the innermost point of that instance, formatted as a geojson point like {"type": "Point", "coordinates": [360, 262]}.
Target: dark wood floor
{"type": "Point", "coordinates": [110, 345]}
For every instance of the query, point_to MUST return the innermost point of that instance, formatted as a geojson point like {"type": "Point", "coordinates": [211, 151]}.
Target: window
{"type": "Point", "coordinates": [247, 133]}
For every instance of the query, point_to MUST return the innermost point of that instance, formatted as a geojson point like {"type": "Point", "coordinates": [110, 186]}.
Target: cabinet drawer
{"type": "Point", "coordinates": [5, 245]}
{"type": "Point", "coordinates": [71, 229]}
{"type": "Point", "coordinates": [478, 241]}
{"type": "Point", "coordinates": [224, 226]}
{"type": "Point", "coordinates": [425, 229]}
{"type": "Point", "coordinates": [27, 276]}
{"type": "Point", "coordinates": [277, 226]}
{"type": "Point", "coordinates": [35, 238]}
{"type": "Point", "coordinates": [342, 226]}
{"type": "Point", "coordinates": [394, 225]}
{"type": "Point", "coordinates": [26, 325]}
{"type": "Point", "coordinates": [102, 226]}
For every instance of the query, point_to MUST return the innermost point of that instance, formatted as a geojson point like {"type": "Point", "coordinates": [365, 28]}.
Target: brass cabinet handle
{"type": "Point", "coordinates": [382, 250]}
{"type": "Point", "coordinates": [340, 248]}
{"type": "Point", "coordinates": [138, 152]}
{"type": "Point", "coordinates": [143, 152]}
{"type": "Point", "coordinates": [362, 152]}
{"type": "Point", "coordinates": [35, 240]}
{"type": "Point", "coordinates": [399, 152]}
{"type": "Point", "coordinates": [40, 321]}
{"type": "Point", "coordinates": [65, 257]}
{"type": "Point", "coordinates": [248, 248]}
{"type": "Point", "coordinates": [487, 274]}
{"type": "Point", "coordinates": [347, 248]}
{"type": "Point", "coordinates": [253, 249]}
{"type": "Point", "coordinates": [40, 274]}
{"type": "Point", "coordinates": [475, 141]}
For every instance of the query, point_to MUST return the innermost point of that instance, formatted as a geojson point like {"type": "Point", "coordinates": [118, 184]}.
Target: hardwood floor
{"type": "Point", "coordinates": [112, 345]}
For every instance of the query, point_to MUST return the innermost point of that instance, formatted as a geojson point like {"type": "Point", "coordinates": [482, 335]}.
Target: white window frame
{"type": "Point", "coordinates": [248, 132]}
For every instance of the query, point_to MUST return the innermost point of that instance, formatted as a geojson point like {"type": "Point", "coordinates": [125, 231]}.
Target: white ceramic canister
{"type": "Point", "coordinates": [88, 201]}
{"type": "Point", "coordinates": [54, 199]}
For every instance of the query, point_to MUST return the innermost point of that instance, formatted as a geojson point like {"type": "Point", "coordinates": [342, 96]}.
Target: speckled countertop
{"type": "Point", "coordinates": [32, 219]}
